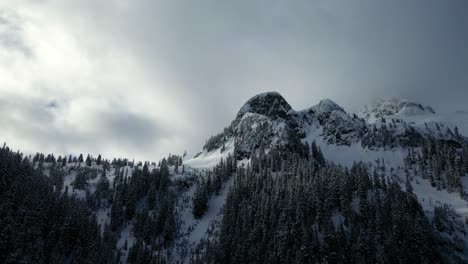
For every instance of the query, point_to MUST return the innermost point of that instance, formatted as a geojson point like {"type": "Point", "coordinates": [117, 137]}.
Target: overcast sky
{"type": "Point", "coordinates": [140, 79]}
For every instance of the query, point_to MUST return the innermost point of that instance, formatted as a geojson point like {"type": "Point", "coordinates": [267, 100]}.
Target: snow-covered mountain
{"type": "Point", "coordinates": [404, 169]}
{"type": "Point", "coordinates": [395, 137]}
{"type": "Point", "coordinates": [396, 107]}
{"type": "Point", "coordinates": [267, 122]}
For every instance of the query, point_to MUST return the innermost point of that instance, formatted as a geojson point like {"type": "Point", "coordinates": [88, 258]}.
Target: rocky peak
{"type": "Point", "coordinates": [394, 107]}
{"type": "Point", "coordinates": [266, 120]}
{"type": "Point", "coordinates": [270, 104]}
{"type": "Point", "coordinates": [326, 106]}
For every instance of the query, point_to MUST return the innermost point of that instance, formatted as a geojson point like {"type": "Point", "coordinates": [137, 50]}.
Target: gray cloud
{"type": "Point", "coordinates": [37, 123]}
{"type": "Point", "coordinates": [10, 27]}
{"type": "Point", "coordinates": [232, 50]}
{"type": "Point", "coordinates": [125, 128]}
{"type": "Point", "coordinates": [180, 70]}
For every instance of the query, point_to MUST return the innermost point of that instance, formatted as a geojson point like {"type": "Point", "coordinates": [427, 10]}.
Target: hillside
{"type": "Point", "coordinates": [276, 185]}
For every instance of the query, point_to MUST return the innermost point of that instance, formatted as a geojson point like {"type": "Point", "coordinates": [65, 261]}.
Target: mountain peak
{"type": "Point", "coordinates": [327, 106]}
{"type": "Point", "coordinates": [270, 104]}
{"type": "Point", "coordinates": [395, 107]}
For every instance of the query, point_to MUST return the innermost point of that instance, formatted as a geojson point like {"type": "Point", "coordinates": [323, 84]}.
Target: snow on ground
{"type": "Point", "coordinates": [207, 160]}
{"type": "Point", "coordinates": [78, 194]}
{"type": "Point", "coordinates": [194, 230]}
{"type": "Point", "coordinates": [214, 208]}
{"type": "Point", "coordinates": [126, 235]}
{"type": "Point", "coordinates": [429, 197]}
{"type": "Point", "coordinates": [347, 155]}
{"type": "Point", "coordinates": [395, 106]}
{"type": "Point", "coordinates": [102, 217]}
{"type": "Point", "coordinates": [394, 158]}
{"type": "Point", "coordinates": [459, 119]}
{"type": "Point", "coordinates": [68, 180]}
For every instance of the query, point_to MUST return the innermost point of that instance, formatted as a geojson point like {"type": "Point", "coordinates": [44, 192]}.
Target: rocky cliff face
{"type": "Point", "coordinates": [338, 127]}
{"type": "Point", "coordinates": [267, 122]}
{"type": "Point", "coordinates": [271, 105]}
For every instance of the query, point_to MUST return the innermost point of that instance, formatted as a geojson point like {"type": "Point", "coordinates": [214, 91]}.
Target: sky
{"type": "Point", "coordinates": [145, 78]}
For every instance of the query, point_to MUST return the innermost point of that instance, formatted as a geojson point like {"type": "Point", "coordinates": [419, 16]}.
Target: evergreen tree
{"type": "Point", "coordinates": [80, 158]}
{"type": "Point", "coordinates": [200, 201]}
{"type": "Point", "coordinates": [88, 160]}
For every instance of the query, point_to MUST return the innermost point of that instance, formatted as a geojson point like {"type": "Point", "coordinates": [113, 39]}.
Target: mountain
{"type": "Point", "coordinates": [405, 142]}
{"type": "Point", "coordinates": [267, 122]}
{"type": "Point", "coordinates": [319, 185]}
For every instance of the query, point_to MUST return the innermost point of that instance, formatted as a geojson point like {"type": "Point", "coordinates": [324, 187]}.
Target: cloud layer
{"type": "Point", "coordinates": [144, 78]}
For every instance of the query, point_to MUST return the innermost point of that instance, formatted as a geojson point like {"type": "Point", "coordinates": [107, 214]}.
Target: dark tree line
{"type": "Point", "coordinates": [442, 162]}
{"type": "Point", "coordinates": [387, 135]}
{"type": "Point", "coordinates": [286, 206]}
{"type": "Point", "coordinates": [148, 200]}
{"type": "Point", "coordinates": [40, 225]}
{"type": "Point", "coordinates": [218, 140]}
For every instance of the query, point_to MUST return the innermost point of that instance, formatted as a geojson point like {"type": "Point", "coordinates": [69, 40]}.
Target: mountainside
{"type": "Point", "coordinates": [277, 185]}
{"type": "Point", "coordinates": [395, 137]}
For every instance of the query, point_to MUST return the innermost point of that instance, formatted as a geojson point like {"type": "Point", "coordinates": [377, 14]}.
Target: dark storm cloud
{"type": "Point", "coordinates": [190, 65]}
{"type": "Point", "coordinates": [129, 129]}
{"type": "Point", "coordinates": [350, 52]}
{"type": "Point", "coordinates": [223, 52]}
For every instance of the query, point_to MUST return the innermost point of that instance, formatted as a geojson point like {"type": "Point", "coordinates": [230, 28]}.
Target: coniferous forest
{"type": "Point", "coordinates": [296, 209]}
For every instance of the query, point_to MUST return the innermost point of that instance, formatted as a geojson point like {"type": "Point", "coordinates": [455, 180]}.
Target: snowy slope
{"type": "Point", "coordinates": [346, 155]}
{"type": "Point", "coordinates": [413, 113]}
{"type": "Point", "coordinates": [451, 120]}
{"type": "Point", "coordinates": [267, 122]}
{"type": "Point", "coordinates": [397, 107]}
{"type": "Point", "coordinates": [209, 159]}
